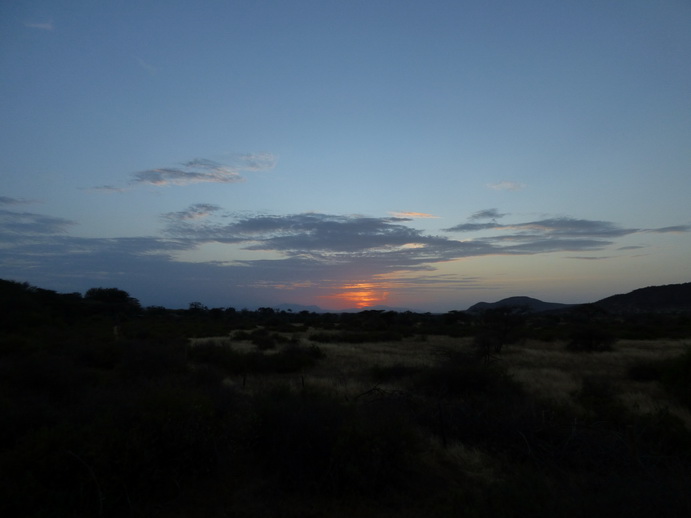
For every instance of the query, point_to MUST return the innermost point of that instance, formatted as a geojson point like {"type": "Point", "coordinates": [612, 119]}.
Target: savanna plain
{"type": "Point", "coordinates": [110, 409]}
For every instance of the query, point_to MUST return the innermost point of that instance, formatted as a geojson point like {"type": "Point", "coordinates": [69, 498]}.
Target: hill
{"type": "Point", "coordinates": [295, 308]}
{"type": "Point", "coordinates": [669, 298]}
{"type": "Point", "coordinates": [531, 304]}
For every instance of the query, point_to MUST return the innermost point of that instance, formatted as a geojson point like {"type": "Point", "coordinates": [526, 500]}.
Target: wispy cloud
{"type": "Point", "coordinates": [27, 223]}
{"type": "Point", "coordinates": [374, 244]}
{"type": "Point", "coordinates": [45, 26]}
{"type": "Point", "coordinates": [107, 188]}
{"type": "Point", "coordinates": [506, 186]}
{"type": "Point", "coordinates": [198, 170]}
{"type": "Point", "coordinates": [204, 170]}
{"type": "Point", "coordinates": [150, 69]}
{"type": "Point", "coordinates": [196, 211]}
{"type": "Point", "coordinates": [676, 229]}
{"type": "Point", "coordinates": [473, 227]}
{"type": "Point", "coordinates": [590, 258]}
{"type": "Point", "coordinates": [552, 227]}
{"type": "Point", "coordinates": [413, 215]}
{"type": "Point", "coordinates": [7, 200]}
{"type": "Point", "coordinates": [487, 214]}
{"type": "Point", "coordinates": [313, 252]}
{"type": "Point", "coordinates": [386, 244]}
{"type": "Point", "coordinates": [423, 282]}
{"type": "Point", "coordinates": [557, 234]}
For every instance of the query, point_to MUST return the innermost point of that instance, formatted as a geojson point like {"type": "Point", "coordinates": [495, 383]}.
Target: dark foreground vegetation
{"type": "Point", "coordinates": [108, 409]}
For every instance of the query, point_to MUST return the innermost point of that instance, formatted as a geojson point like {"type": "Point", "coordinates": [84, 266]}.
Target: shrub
{"type": "Point", "coordinates": [393, 372]}
{"type": "Point", "coordinates": [677, 378]}
{"type": "Point", "coordinates": [356, 337]}
{"type": "Point", "coordinates": [220, 356]}
{"type": "Point", "coordinates": [487, 344]}
{"type": "Point", "coordinates": [292, 358]}
{"type": "Point", "coordinates": [591, 339]}
{"type": "Point", "coordinates": [645, 370]}
{"type": "Point", "coordinates": [317, 443]}
{"type": "Point", "coordinates": [147, 358]}
{"type": "Point", "coordinates": [264, 343]}
{"type": "Point", "coordinates": [463, 374]}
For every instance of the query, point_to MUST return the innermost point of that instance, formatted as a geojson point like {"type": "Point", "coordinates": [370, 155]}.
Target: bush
{"type": "Point", "coordinates": [292, 358]}
{"type": "Point", "coordinates": [317, 443]}
{"type": "Point", "coordinates": [591, 339]}
{"type": "Point", "coordinates": [645, 370]}
{"type": "Point", "coordinates": [356, 337]}
{"type": "Point", "coordinates": [219, 356]}
{"type": "Point", "coordinates": [393, 372]}
{"type": "Point", "coordinates": [676, 378]}
{"type": "Point", "coordinates": [463, 374]}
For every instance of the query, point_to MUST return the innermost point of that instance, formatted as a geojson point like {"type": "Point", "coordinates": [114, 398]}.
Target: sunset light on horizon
{"type": "Point", "coordinates": [353, 296]}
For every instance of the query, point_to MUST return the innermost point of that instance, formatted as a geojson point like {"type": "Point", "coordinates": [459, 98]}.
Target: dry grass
{"type": "Point", "coordinates": [549, 371]}
{"type": "Point", "coordinates": [545, 369]}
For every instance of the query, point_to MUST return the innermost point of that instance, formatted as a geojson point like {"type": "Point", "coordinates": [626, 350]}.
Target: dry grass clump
{"type": "Point", "coordinates": [549, 371]}
{"type": "Point", "coordinates": [546, 370]}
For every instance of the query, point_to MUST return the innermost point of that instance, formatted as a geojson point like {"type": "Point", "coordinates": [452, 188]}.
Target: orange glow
{"type": "Point", "coordinates": [360, 295]}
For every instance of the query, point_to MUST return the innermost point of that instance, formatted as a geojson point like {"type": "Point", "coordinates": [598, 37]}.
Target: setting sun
{"type": "Point", "coordinates": [360, 295]}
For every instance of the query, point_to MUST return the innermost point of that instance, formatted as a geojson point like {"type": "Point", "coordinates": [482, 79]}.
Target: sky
{"type": "Point", "coordinates": [346, 154]}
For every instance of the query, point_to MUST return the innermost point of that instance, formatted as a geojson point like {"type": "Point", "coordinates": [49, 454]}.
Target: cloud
{"type": "Point", "coordinates": [310, 252]}
{"type": "Point", "coordinates": [191, 172]}
{"type": "Point", "coordinates": [203, 170]}
{"type": "Point", "coordinates": [6, 200]}
{"type": "Point", "coordinates": [551, 227]}
{"type": "Point", "coordinates": [375, 244]}
{"type": "Point", "coordinates": [676, 229]}
{"type": "Point", "coordinates": [196, 211]}
{"type": "Point", "coordinates": [198, 170]}
{"type": "Point", "coordinates": [306, 233]}
{"type": "Point", "coordinates": [413, 215]}
{"type": "Point", "coordinates": [533, 244]}
{"type": "Point", "coordinates": [506, 186]}
{"type": "Point", "coordinates": [384, 244]}
{"type": "Point", "coordinates": [450, 281]}
{"type": "Point", "coordinates": [13, 224]}
{"type": "Point", "coordinates": [152, 70]}
{"type": "Point", "coordinates": [571, 227]}
{"type": "Point", "coordinates": [472, 227]}
{"type": "Point", "coordinates": [487, 214]}
{"type": "Point", "coordinates": [590, 258]}
{"type": "Point", "coordinates": [107, 188]}
{"type": "Point", "coordinates": [46, 26]}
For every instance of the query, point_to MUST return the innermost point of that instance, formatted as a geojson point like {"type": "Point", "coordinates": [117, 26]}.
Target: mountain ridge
{"type": "Point", "coordinates": [531, 304]}
{"type": "Point", "coordinates": [651, 299]}
{"type": "Point", "coordinates": [663, 298]}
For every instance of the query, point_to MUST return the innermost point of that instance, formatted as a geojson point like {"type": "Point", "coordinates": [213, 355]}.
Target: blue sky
{"type": "Point", "coordinates": [425, 155]}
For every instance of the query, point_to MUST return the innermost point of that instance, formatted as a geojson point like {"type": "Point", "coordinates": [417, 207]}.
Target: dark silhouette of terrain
{"type": "Point", "coordinates": [530, 304]}
{"type": "Point", "coordinates": [112, 409]}
{"type": "Point", "coordinates": [670, 298]}
{"type": "Point", "coordinates": [653, 299]}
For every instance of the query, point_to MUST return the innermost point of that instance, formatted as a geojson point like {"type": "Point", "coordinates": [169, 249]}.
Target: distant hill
{"type": "Point", "coordinates": [296, 308]}
{"type": "Point", "coordinates": [380, 308]}
{"type": "Point", "coordinates": [663, 299]}
{"type": "Point", "coordinates": [532, 305]}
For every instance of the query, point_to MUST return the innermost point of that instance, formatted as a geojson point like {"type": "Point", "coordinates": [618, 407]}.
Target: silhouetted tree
{"type": "Point", "coordinates": [500, 326]}
{"type": "Point", "coordinates": [112, 300]}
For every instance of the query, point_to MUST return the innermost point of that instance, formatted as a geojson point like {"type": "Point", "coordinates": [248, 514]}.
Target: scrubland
{"type": "Point", "coordinates": [196, 413]}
